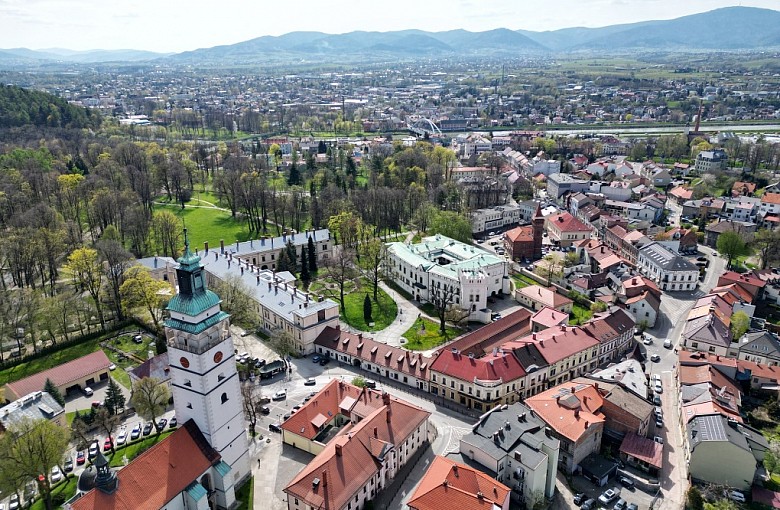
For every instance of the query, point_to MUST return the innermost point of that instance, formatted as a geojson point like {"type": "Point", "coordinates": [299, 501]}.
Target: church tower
{"type": "Point", "coordinates": [204, 378]}
{"type": "Point", "coordinates": [538, 227]}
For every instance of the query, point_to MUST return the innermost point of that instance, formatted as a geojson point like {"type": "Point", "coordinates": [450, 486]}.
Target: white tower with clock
{"type": "Point", "coordinates": [204, 378]}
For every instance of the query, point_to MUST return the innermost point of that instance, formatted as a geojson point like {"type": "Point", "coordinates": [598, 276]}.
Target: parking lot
{"type": "Point", "coordinates": [582, 485]}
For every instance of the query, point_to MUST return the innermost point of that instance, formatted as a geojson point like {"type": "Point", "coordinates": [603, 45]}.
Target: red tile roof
{"type": "Point", "coordinates": [520, 234]}
{"type": "Point", "coordinates": [549, 317]}
{"type": "Point", "coordinates": [680, 192]}
{"type": "Point", "coordinates": [378, 353]}
{"type": "Point", "coordinates": [352, 458]}
{"type": "Point", "coordinates": [643, 449]}
{"type": "Point", "coordinates": [771, 198]}
{"type": "Point", "coordinates": [547, 297]}
{"type": "Point", "coordinates": [481, 341]}
{"type": "Point", "coordinates": [557, 343]}
{"type": "Point", "coordinates": [158, 475]}
{"type": "Point", "coordinates": [565, 222]}
{"type": "Point", "coordinates": [570, 409]}
{"type": "Point", "coordinates": [63, 375]}
{"type": "Point", "coordinates": [760, 370]}
{"type": "Point", "coordinates": [308, 420]}
{"type": "Point", "coordinates": [501, 367]}
{"type": "Point", "coordinates": [449, 485]}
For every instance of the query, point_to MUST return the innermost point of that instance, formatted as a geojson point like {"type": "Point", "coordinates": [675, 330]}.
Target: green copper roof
{"type": "Point", "coordinates": [188, 261]}
{"type": "Point", "coordinates": [194, 304]}
{"type": "Point", "coordinates": [194, 329]}
{"type": "Point", "coordinates": [196, 491]}
{"type": "Point", "coordinates": [222, 468]}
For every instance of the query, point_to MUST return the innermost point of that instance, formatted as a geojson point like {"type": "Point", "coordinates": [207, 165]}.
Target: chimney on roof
{"type": "Point", "coordinates": [360, 336]}
{"type": "Point", "coordinates": [577, 414]}
{"type": "Point", "coordinates": [573, 389]}
{"type": "Point", "coordinates": [222, 246]}
{"type": "Point", "coordinates": [236, 245]}
{"type": "Point", "coordinates": [242, 270]}
{"type": "Point", "coordinates": [324, 478]}
{"type": "Point", "coordinates": [587, 424]}
{"type": "Point", "coordinates": [339, 451]}
{"type": "Point", "coordinates": [386, 398]}
{"type": "Point", "coordinates": [376, 432]}
{"type": "Point", "coordinates": [216, 256]}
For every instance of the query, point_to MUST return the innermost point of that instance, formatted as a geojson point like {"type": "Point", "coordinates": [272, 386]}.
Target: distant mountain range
{"type": "Point", "coordinates": [730, 28]}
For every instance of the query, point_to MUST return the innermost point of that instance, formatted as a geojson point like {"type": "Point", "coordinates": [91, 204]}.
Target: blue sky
{"type": "Point", "coordinates": [180, 25]}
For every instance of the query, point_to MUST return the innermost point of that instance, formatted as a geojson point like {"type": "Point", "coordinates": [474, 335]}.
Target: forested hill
{"type": "Point", "coordinates": [21, 107]}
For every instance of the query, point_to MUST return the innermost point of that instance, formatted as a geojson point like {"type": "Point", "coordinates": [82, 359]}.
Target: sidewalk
{"type": "Point", "coordinates": [264, 458]}
{"type": "Point", "coordinates": [407, 314]}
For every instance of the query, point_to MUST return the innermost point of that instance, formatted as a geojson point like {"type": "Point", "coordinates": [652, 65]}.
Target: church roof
{"type": "Point", "coordinates": [158, 475]}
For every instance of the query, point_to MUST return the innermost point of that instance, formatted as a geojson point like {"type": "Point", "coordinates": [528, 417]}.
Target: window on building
{"type": "Point", "coordinates": [224, 398]}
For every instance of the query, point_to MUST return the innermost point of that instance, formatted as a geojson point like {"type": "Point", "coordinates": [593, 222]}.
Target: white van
{"type": "Point", "coordinates": [668, 343]}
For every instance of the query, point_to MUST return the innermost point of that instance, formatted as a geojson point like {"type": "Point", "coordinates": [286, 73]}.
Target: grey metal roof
{"type": "Point", "coordinates": [762, 343]}
{"type": "Point", "coordinates": [35, 406]}
{"type": "Point", "coordinates": [272, 290]}
{"type": "Point", "coordinates": [274, 243]}
{"type": "Point", "coordinates": [666, 259]}
{"type": "Point", "coordinates": [717, 428]}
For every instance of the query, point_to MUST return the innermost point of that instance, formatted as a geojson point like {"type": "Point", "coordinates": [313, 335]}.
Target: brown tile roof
{"type": "Point", "coordinates": [682, 193]}
{"type": "Point", "coordinates": [449, 485]}
{"type": "Point", "coordinates": [549, 317]}
{"type": "Point", "coordinates": [690, 375]}
{"type": "Point", "coordinates": [307, 421]}
{"type": "Point", "coordinates": [482, 341]}
{"type": "Point", "coordinates": [158, 475]}
{"type": "Point", "coordinates": [352, 458]}
{"type": "Point", "coordinates": [609, 325]}
{"type": "Point", "coordinates": [643, 449]}
{"type": "Point", "coordinates": [570, 409]}
{"type": "Point", "coordinates": [378, 353]}
{"type": "Point", "coordinates": [63, 375]}
{"type": "Point", "coordinates": [771, 198]}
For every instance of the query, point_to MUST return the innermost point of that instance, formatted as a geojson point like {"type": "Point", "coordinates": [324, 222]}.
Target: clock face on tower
{"type": "Point", "coordinates": [184, 362]}
{"type": "Point", "coordinates": [217, 356]}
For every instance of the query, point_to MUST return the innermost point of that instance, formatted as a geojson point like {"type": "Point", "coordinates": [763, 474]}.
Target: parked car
{"type": "Point", "coordinates": [310, 382]}
{"type": "Point", "coordinates": [13, 503]}
{"type": "Point", "coordinates": [88, 391]}
{"type": "Point", "coordinates": [136, 432]}
{"type": "Point", "coordinates": [620, 505]}
{"type": "Point", "coordinates": [659, 423]}
{"type": "Point", "coordinates": [370, 383]}
{"type": "Point", "coordinates": [316, 358]}
{"type": "Point", "coordinates": [162, 423]}
{"type": "Point", "coordinates": [626, 482]}
{"type": "Point", "coordinates": [655, 358]}
{"type": "Point", "coordinates": [668, 343]}
{"type": "Point", "coordinates": [280, 395]}
{"type": "Point", "coordinates": [81, 458]}
{"type": "Point", "coordinates": [275, 427]}
{"type": "Point", "coordinates": [658, 439]}
{"type": "Point", "coordinates": [736, 496]}
{"type": "Point", "coordinates": [659, 413]}
{"type": "Point", "coordinates": [608, 496]}
{"type": "Point", "coordinates": [324, 361]}
{"type": "Point", "coordinates": [68, 465]}
{"type": "Point", "coordinates": [139, 339]}
{"type": "Point", "coordinates": [93, 450]}
{"type": "Point", "coordinates": [122, 437]}
{"type": "Point", "coordinates": [107, 444]}
{"type": "Point", "coordinates": [647, 341]}
{"type": "Point", "coordinates": [658, 388]}
{"type": "Point", "coordinates": [589, 504]}
{"type": "Point", "coordinates": [173, 423]}
{"type": "Point", "coordinates": [265, 410]}
{"type": "Point", "coordinates": [148, 428]}
{"type": "Point", "coordinates": [632, 506]}
{"type": "Point", "coordinates": [56, 474]}
{"type": "Point", "coordinates": [579, 498]}
{"type": "Point", "coordinates": [657, 400]}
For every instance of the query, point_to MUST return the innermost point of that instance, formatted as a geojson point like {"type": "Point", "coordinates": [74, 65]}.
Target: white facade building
{"type": "Point", "coordinates": [440, 268]}
{"type": "Point", "coordinates": [484, 220]}
{"type": "Point", "coordinates": [668, 269]}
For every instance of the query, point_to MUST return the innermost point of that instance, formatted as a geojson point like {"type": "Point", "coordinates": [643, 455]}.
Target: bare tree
{"type": "Point", "coordinates": [107, 423]}
{"type": "Point", "coordinates": [340, 269]}
{"type": "Point", "coordinates": [252, 398]}
{"type": "Point", "coordinates": [445, 300]}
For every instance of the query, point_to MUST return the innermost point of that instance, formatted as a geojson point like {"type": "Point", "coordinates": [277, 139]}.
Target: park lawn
{"type": "Point", "coordinates": [51, 360]}
{"type": "Point", "coordinates": [125, 343]}
{"type": "Point", "coordinates": [522, 280]}
{"type": "Point", "coordinates": [431, 337]}
{"type": "Point", "coordinates": [208, 224]}
{"type": "Point", "coordinates": [124, 363]}
{"type": "Point", "coordinates": [246, 495]}
{"type": "Point", "coordinates": [383, 312]}
{"type": "Point", "coordinates": [67, 489]}
{"type": "Point", "coordinates": [133, 450]}
{"type": "Point", "coordinates": [579, 314]}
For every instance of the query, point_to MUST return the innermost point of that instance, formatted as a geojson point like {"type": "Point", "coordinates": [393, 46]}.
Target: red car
{"type": "Point", "coordinates": [81, 458]}
{"type": "Point", "coordinates": [108, 444]}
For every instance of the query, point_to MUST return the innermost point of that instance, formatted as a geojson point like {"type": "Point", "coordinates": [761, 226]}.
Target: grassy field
{"type": "Point", "coordinates": [133, 450]}
{"type": "Point", "coordinates": [383, 312]}
{"type": "Point", "coordinates": [67, 489]}
{"type": "Point", "coordinates": [23, 370]}
{"type": "Point", "coordinates": [246, 495]}
{"type": "Point", "coordinates": [579, 314]}
{"type": "Point", "coordinates": [430, 337]}
{"type": "Point", "coordinates": [208, 224]}
{"type": "Point", "coordinates": [522, 280]}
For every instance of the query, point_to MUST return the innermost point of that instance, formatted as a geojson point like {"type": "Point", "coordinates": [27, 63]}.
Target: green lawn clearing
{"type": "Point", "coordinates": [29, 368]}
{"type": "Point", "coordinates": [383, 311]}
{"type": "Point", "coordinates": [135, 449]}
{"type": "Point", "coordinates": [579, 314]}
{"type": "Point", "coordinates": [246, 495]}
{"type": "Point", "coordinates": [208, 224]}
{"type": "Point", "coordinates": [423, 339]}
{"type": "Point", "coordinates": [522, 280]}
